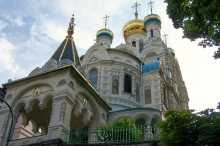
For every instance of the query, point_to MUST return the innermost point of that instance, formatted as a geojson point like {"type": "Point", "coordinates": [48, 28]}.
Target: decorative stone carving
{"type": "Point", "coordinates": [35, 92]}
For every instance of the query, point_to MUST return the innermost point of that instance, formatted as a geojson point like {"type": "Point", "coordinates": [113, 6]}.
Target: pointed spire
{"type": "Point", "coordinates": [135, 7]}
{"type": "Point", "coordinates": [106, 18]}
{"type": "Point", "coordinates": [150, 3]}
{"type": "Point", "coordinates": [66, 53]}
{"type": "Point", "coordinates": [70, 30]}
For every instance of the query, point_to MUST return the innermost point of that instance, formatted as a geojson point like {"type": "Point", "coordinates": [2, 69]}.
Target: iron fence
{"type": "Point", "coordinates": [128, 136]}
{"type": "Point", "coordinates": [113, 136]}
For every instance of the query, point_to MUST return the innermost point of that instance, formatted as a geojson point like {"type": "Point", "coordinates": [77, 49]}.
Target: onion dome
{"type": "Point", "coordinates": [104, 32]}
{"type": "Point", "coordinates": [133, 26]}
{"type": "Point", "coordinates": [152, 19]}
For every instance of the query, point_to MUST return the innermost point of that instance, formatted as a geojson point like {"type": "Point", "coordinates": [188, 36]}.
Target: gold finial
{"type": "Point", "coordinates": [135, 6]}
{"type": "Point", "coordinates": [106, 18]}
{"type": "Point", "coordinates": [150, 3]}
{"type": "Point", "coordinates": [70, 30]}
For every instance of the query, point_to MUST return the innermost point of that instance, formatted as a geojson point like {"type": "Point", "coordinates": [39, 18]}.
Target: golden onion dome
{"type": "Point", "coordinates": [133, 26]}
{"type": "Point", "coordinates": [104, 31]}
{"type": "Point", "coordinates": [152, 18]}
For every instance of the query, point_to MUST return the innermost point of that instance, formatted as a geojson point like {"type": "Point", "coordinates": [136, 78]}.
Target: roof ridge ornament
{"type": "Point", "coordinates": [70, 30]}
{"type": "Point", "coordinates": [135, 7]}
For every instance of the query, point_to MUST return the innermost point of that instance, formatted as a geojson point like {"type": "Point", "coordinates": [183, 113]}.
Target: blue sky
{"type": "Point", "coordinates": [31, 30]}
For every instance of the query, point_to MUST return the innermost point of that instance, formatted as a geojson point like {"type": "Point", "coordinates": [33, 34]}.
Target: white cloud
{"type": "Point", "coordinates": [2, 25]}
{"type": "Point", "coordinates": [7, 62]}
{"type": "Point", "coordinates": [19, 21]}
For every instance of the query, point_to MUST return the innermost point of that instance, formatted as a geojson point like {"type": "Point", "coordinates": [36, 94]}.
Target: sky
{"type": "Point", "coordinates": [31, 30]}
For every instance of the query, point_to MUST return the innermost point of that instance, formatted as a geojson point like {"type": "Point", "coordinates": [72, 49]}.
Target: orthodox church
{"type": "Point", "coordinates": [140, 78]}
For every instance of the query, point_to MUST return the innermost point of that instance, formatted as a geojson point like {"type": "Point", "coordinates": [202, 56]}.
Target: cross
{"type": "Point", "coordinates": [72, 21]}
{"type": "Point", "coordinates": [150, 3]}
{"type": "Point", "coordinates": [135, 6]}
{"type": "Point", "coordinates": [106, 18]}
{"type": "Point", "coordinates": [70, 30]}
{"type": "Point", "coordinates": [165, 38]}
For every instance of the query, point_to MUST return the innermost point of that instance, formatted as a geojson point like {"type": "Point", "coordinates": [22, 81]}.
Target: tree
{"type": "Point", "coordinates": [184, 128]}
{"type": "Point", "coordinates": [179, 128]}
{"type": "Point", "coordinates": [209, 128]}
{"type": "Point", "coordinates": [199, 19]}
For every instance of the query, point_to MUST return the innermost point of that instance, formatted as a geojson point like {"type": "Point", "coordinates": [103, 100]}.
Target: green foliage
{"type": "Point", "coordinates": [198, 18]}
{"type": "Point", "coordinates": [184, 128]}
{"type": "Point", "coordinates": [209, 129]}
{"type": "Point", "coordinates": [122, 130]}
{"type": "Point", "coordinates": [179, 128]}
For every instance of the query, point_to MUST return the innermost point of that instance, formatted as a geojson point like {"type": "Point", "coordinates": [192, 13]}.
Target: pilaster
{"type": "Point", "coordinates": [60, 118]}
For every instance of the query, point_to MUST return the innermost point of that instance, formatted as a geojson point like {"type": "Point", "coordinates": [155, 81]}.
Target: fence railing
{"type": "Point", "coordinates": [112, 135]}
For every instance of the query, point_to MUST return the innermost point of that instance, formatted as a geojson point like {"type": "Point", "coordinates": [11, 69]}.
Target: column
{"type": "Point", "coordinates": [60, 118]}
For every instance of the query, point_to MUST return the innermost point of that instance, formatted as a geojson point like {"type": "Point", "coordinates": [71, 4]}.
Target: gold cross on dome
{"type": "Point", "coordinates": [135, 7]}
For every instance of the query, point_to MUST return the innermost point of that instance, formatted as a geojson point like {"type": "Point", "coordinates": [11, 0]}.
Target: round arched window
{"type": "Point", "coordinates": [93, 76]}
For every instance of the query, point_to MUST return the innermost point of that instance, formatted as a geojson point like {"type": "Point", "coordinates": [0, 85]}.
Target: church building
{"type": "Point", "coordinates": [139, 78]}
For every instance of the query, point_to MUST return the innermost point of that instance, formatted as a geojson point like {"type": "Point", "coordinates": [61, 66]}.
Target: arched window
{"type": "Point", "coordinates": [93, 77]}
{"type": "Point", "coordinates": [115, 84]}
{"type": "Point", "coordinates": [127, 83]}
{"type": "Point", "coordinates": [151, 33]}
{"type": "Point", "coordinates": [147, 93]}
{"type": "Point", "coordinates": [133, 43]}
{"type": "Point", "coordinates": [141, 45]}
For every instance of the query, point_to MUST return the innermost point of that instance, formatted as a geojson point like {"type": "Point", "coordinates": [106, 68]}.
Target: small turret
{"type": "Point", "coordinates": [104, 36]}
{"type": "Point", "coordinates": [152, 25]}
